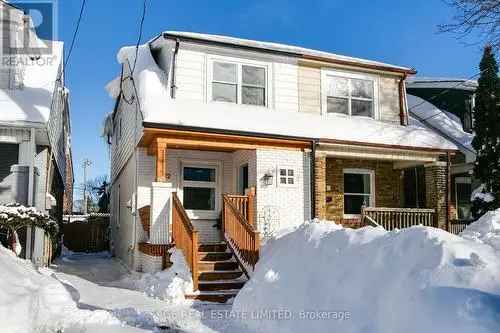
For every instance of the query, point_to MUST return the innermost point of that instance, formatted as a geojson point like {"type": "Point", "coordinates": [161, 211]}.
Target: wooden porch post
{"type": "Point", "coordinates": [251, 206]}
{"type": "Point", "coordinates": [158, 149]}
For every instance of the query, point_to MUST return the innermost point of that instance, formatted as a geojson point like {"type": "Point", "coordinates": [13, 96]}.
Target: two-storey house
{"type": "Point", "coordinates": [217, 142]}
{"type": "Point", "coordinates": [35, 150]}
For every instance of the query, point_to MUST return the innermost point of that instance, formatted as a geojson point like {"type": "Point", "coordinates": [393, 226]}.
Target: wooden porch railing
{"type": "Point", "coordinates": [241, 235]}
{"type": "Point", "coordinates": [185, 237]}
{"type": "Point", "coordinates": [245, 204]}
{"type": "Point", "coordinates": [392, 218]}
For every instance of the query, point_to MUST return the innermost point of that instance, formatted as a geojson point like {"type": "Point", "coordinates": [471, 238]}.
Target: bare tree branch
{"type": "Point", "coordinates": [475, 16]}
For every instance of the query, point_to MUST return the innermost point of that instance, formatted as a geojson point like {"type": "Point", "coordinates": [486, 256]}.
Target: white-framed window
{"type": "Point", "coordinates": [463, 192]}
{"type": "Point", "coordinates": [238, 81]}
{"type": "Point", "coordinates": [286, 176]}
{"type": "Point", "coordinates": [349, 94]}
{"type": "Point", "coordinates": [359, 191]}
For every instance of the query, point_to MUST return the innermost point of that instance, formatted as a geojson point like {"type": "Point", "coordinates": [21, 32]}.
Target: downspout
{"type": "Point", "coordinates": [312, 180]}
{"type": "Point", "coordinates": [402, 113]}
{"type": "Point", "coordinates": [173, 85]}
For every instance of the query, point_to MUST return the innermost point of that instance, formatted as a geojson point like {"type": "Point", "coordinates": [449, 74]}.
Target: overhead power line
{"type": "Point", "coordinates": [75, 34]}
{"type": "Point", "coordinates": [139, 38]}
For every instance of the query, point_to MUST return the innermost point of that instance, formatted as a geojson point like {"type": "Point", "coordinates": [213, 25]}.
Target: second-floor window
{"type": "Point", "coordinates": [239, 83]}
{"type": "Point", "coordinates": [349, 94]}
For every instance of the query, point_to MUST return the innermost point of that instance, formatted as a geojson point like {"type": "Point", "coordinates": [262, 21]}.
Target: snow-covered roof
{"type": "Point", "coordinates": [32, 103]}
{"type": "Point", "coordinates": [423, 113]}
{"type": "Point", "coordinates": [441, 83]}
{"type": "Point", "coordinates": [157, 107]}
{"type": "Point", "coordinates": [277, 47]}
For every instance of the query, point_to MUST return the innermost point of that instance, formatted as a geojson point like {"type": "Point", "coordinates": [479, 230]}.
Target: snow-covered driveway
{"type": "Point", "coordinates": [92, 281]}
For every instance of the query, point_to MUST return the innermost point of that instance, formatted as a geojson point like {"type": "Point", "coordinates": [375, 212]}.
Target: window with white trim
{"type": "Point", "coordinates": [358, 190]}
{"type": "Point", "coordinates": [286, 176]}
{"type": "Point", "coordinates": [238, 83]}
{"type": "Point", "coordinates": [349, 94]}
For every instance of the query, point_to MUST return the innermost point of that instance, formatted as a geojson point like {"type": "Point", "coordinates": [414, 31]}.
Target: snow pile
{"type": "Point", "coordinates": [485, 230]}
{"type": "Point", "coordinates": [36, 302]}
{"type": "Point", "coordinates": [322, 278]}
{"type": "Point", "coordinates": [169, 285]}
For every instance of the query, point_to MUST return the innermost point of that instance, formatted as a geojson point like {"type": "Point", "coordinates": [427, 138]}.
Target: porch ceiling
{"type": "Point", "coordinates": [402, 156]}
{"type": "Point", "coordinates": [193, 140]}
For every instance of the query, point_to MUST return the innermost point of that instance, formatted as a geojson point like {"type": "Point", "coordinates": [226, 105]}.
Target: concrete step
{"type": "Point", "coordinates": [220, 275]}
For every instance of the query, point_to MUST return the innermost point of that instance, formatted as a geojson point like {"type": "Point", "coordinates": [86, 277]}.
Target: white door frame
{"type": "Point", "coordinates": [215, 164]}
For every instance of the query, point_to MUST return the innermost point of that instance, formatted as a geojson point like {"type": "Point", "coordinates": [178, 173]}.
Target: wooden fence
{"type": "Point", "coordinates": [91, 234]}
{"type": "Point", "coordinates": [398, 218]}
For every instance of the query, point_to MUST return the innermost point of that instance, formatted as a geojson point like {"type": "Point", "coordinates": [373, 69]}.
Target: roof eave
{"type": "Point", "coordinates": [400, 70]}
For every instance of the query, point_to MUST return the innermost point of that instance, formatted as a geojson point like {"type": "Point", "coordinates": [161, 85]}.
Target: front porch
{"type": "Point", "coordinates": [391, 187]}
{"type": "Point", "coordinates": [211, 194]}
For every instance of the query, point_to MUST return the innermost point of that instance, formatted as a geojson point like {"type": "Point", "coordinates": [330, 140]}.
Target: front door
{"type": "Point", "coordinates": [200, 190]}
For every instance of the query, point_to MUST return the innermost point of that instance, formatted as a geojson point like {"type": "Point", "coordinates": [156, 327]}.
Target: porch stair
{"type": "Point", "coordinates": [220, 277]}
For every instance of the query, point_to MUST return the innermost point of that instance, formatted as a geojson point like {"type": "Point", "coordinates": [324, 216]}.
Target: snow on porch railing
{"type": "Point", "coordinates": [240, 234]}
{"type": "Point", "coordinates": [398, 218]}
{"type": "Point", "coordinates": [457, 226]}
{"type": "Point", "coordinates": [185, 237]}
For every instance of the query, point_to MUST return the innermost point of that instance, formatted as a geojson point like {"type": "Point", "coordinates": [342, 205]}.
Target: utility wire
{"type": "Point", "coordinates": [144, 5]}
{"type": "Point", "coordinates": [75, 34]}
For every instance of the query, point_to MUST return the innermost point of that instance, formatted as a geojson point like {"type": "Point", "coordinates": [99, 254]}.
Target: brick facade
{"type": "Point", "coordinates": [436, 191]}
{"type": "Point", "coordinates": [387, 185]}
{"type": "Point", "coordinates": [320, 186]}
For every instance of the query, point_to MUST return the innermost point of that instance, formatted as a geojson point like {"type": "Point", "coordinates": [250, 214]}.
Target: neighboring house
{"type": "Point", "coordinates": [446, 105]}
{"type": "Point", "coordinates": [34, 126]}
{"type": "Point", "coordinates": [291, 133]}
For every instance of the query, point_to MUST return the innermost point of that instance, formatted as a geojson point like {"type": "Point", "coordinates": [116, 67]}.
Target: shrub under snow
{"type": "Point", "coordinates": [326, 278]}
{"type": "Point", "coordinates": [169, 285]}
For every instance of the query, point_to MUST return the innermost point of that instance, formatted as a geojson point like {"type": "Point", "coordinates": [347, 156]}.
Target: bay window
{"type": "Point", "coordinates": [238, 83]}
{"type": "Point", "coordinates": [349, 94]}
{"type": "Point", "coordinates": [358, 190]}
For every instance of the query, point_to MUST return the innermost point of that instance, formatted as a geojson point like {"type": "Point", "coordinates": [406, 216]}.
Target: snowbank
{"type": "Point", "coordinates": [34, 301]}
{"type": "Point", "coordinates": [324, 278]}
{"type": "Point", "coordinates": [169, 285]}
{"type": "Point", "coordinates": [485, 230]}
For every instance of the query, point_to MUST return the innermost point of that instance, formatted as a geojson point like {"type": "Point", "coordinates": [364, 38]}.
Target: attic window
{"type": "Point", "coordinates": [239, 83]}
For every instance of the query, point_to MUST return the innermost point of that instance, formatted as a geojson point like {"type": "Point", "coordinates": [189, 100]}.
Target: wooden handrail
{"type": "Point", "coordinates": [245, 204]}
{"type": "Point", "coordinates": [240, 234]}
{"type": "Point", "coordinates": [185, 237]}
{"type": "Point", "coordinates": [398, 218]}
